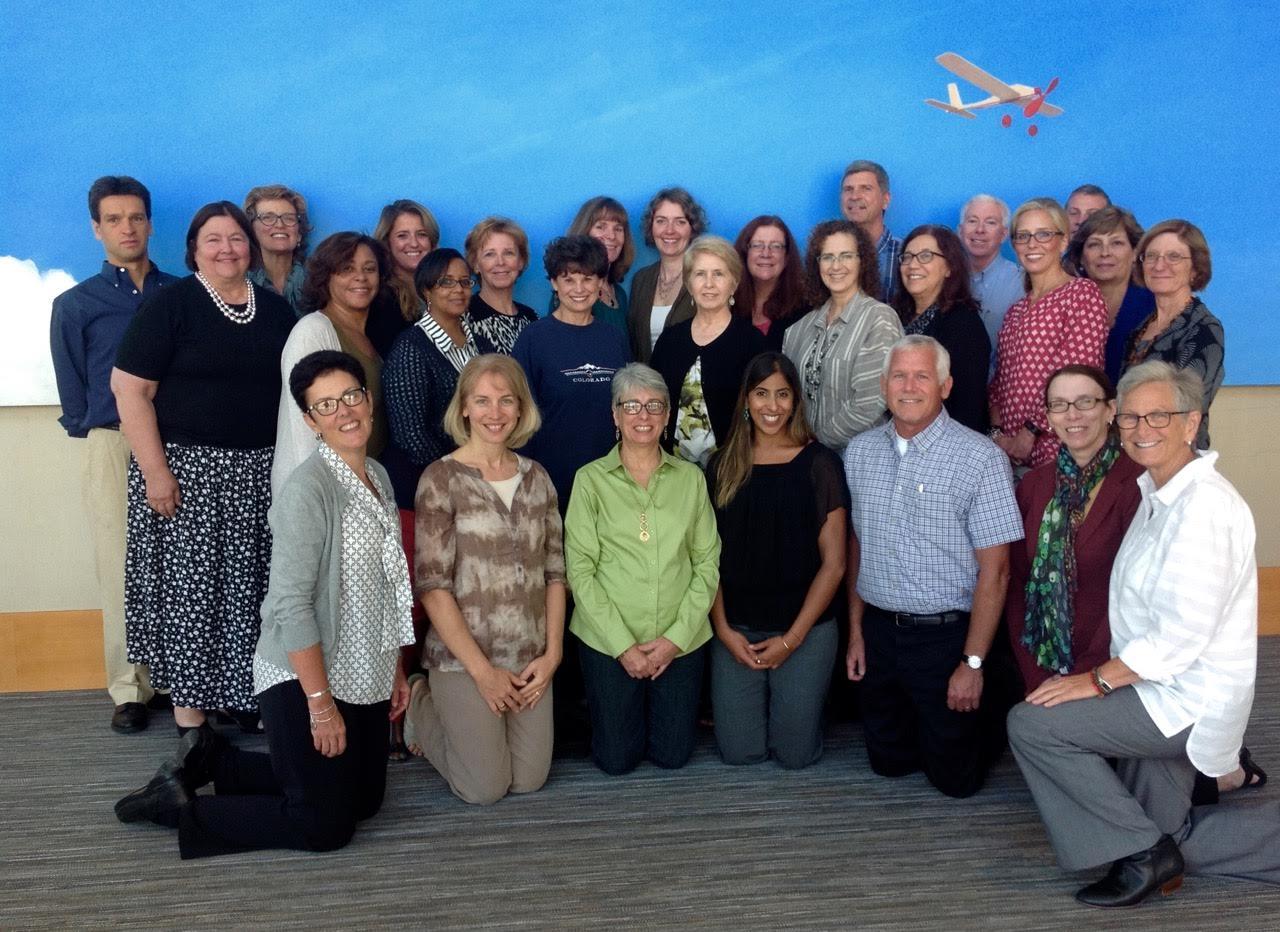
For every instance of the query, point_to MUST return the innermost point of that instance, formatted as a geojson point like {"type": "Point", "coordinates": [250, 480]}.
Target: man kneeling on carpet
{"type": "Point", "coordinates": [326, 670]}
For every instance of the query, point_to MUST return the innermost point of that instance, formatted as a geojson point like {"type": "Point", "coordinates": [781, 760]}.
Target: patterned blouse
{"type": "Point", "coordinates": [496, 561]}
{"type": "Point", "coordinates": [1193, 340]}
{"type": "Point", "coordinates": [376, 603]}
{"type": "Point", "coordinates": [1066, 326]}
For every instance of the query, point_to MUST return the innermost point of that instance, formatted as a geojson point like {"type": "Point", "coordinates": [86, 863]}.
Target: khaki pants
{"type": "Point", "coordinates": [483, 756]}
{"type": "Point", "coordinates": [106, 468]}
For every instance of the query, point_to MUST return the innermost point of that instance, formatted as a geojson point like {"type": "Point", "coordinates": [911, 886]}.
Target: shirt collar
{"type": "Point", "coordinates": [883, 242]}
{"type": "Point", "coordinates": [1199, 467]}
{"type": "Point", "coordinates": [444, 343]}
{"type": "Point", "coordinates": [613, 459]}
{"type": "Point", "coordinates": [117, 275]}
{"type": "Point", "coordinates": [925, 438]}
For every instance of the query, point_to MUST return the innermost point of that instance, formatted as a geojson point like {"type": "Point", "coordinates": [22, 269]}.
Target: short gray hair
{"type": "Point", "coordinates": [1188, 388]}
{"type": "Point", "coordinates": [941, 358]}
{"type": "Point", "coordinates": [637, 377]}
{"type": "Point", "coordinates": [986, 199]}
{"type": "Point", "coordinates": [864, 165]}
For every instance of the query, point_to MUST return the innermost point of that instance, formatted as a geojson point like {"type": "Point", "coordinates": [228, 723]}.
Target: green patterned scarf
{"type": "Point", "coordinates": [1053, 570]}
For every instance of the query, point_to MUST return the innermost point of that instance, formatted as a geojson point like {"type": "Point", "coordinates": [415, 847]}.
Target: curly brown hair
{"type": "Point", "coordinates": [868, 264]}
{"type": "Point", "coordinates": [330, 256]}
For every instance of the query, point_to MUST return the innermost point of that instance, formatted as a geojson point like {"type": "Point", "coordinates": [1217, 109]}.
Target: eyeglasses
{"type": "Point", "coordinates": [831, 258]}
{"type": "Point", "coordinates": [465, 283]}
{"type": "Point", "coordinates": [1157, 419]}
{"type": "Point", "coordinates": [271, 220]}
{"type": "Point", "coordinates": [1085, 403]}
{"type": "Point", "coordinates": [635, 407]}
{"type": "Point", "coordinates": [774, 248]}
{"type": "Point", "coordinates": [352, 398]}
{"type": "Point", "coordinates": [1173, 259]}
{"type": "Point", "coordinates": [924, 257]}
{"type": "Point", "coordinates": [1040, 236]}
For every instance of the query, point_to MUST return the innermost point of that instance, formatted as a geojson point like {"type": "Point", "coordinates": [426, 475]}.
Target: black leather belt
{"type": "Point", "coordinates": [907, 620]}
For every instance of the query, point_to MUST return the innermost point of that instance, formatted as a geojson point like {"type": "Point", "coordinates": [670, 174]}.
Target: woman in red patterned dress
{"type": "Point", "coordinates": [1061, 321]}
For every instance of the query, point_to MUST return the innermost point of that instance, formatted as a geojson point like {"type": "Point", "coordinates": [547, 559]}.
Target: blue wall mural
{"type": "Point", "coordinates": [527, 110]}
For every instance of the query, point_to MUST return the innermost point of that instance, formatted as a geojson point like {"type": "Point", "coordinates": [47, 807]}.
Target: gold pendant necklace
{"type": "Point", "coordinates": [644, 527]}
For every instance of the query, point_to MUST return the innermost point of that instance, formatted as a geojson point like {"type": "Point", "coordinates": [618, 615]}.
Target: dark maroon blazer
{"type": "Point", "coordinates": [1097, 541]}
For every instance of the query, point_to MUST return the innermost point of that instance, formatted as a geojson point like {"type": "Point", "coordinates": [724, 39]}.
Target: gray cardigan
{"type": "Point", "coordinates": [302, 603]}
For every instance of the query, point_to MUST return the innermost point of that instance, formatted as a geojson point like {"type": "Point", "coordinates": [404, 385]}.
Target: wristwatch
{"type": "Point", "coordinates": [973, 661]}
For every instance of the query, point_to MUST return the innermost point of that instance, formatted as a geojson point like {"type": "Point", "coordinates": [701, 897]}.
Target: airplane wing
{"type": "Point", "coordinates": [976, 76]}
{"type": "Point", "coordinates": [950, 109]}
{"type": "Point", "coordinates": [1047, 109]}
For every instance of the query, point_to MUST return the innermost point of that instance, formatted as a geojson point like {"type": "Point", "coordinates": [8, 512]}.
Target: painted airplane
{"type": "Point", "coordinates": [1031, 99]}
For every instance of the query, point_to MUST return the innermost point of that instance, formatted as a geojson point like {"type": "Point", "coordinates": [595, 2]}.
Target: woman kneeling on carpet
{"type": "Point", "coordinates": [489, 568]}
{"type": "Point", "coordinates": [327, 667]}
{"type": "Point", "coordinates": [1177, 692]}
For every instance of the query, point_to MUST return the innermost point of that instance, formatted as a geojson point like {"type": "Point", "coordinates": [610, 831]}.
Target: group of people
{"type": "Point", "coordinates": [369, 496]}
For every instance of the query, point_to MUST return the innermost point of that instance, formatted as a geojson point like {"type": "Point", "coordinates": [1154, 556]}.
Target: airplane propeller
{"type": "Point", "coordinates": [1037, 99]}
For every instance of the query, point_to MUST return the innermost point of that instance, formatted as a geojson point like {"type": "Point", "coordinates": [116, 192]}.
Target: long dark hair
{"type": "Point", "coordinates": [955, 287]}
{"type": "Point", "coordinates": [788, 293]}
{"type": "Point", "coordinates": [733, 462]}
{"type": "Point", "coordinates": [868, 263]}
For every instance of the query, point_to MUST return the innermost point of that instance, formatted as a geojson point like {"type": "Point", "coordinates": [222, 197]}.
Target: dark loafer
{"type": "Point", "coordinates": [1131, 880]}
{"type": "Point", "coordinates": [159, 702]}
{"type": "Point", "coordinates": [129, 718]}
{"type": "Point", "coordinates": [160, 801]}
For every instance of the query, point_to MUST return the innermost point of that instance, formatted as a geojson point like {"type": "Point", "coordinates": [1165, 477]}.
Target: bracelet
{"type": "Point", "coordinates": [319, 694]}
{"type": "Point", "coordinates": [329, 708]}
{"type": "Point", "coordinates": [784, 642]}
{"type": "Point", "coordinates": [1104, 688]}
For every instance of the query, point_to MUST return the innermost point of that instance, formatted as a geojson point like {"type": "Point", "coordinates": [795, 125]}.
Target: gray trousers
{"type": "Point", "coordinates": [1094, 814]}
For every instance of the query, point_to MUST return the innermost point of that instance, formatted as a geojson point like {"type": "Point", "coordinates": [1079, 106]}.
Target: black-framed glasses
{"type": "Point", "coordinates": [1083, 403]}
{"type": "Point", "coordinates": [774, 248]}
{"type": "Point", "coordinates": [1173, 259]}
{"type": "Point", "coordinates": [924, 257]}
{"type": "Point", "coordinates": [633, 407]}
{"type": "Point", "coordinates": [1040, 236]}
{"type": "Point", "coordinates": [464, 283]}
{"type": "Point", "coordinates": [271, 220]}
{"type": "Point", "coordinates": [1156, 419]}
{"type": "Point", "coordinates": [352, 398]}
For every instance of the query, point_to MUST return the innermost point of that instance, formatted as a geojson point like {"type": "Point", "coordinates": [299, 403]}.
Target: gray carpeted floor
{"type": "Point", "coordinates": [708, 846]}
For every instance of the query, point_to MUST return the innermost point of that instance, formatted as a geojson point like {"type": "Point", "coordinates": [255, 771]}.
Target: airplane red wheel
{"type": "Point", "coordinates": [1006, 120]}
{"type": "Point", "coordinates": [1032, 129]}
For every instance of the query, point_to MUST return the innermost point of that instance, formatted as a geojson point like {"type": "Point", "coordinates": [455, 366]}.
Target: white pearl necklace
{"type": "Point", "coordinates": [235, 315]}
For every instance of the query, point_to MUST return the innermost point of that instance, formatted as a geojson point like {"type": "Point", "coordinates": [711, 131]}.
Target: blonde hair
{"type": "Point", "coordinates": [1057, 217]}
{"type": "Point", "coordinates": [455, 424]}
{"type": "Point", "coordinates": [490, 226]}
{"type": "Point", "coordinates": [719, 247]}
{"type": "Point", "coordinates": [405, 295]}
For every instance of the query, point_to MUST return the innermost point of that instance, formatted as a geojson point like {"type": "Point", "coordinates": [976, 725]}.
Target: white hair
{"type": "Point", "coordinates": [986, 199]}
{"type": "Point", "coordinates": [941, 358]}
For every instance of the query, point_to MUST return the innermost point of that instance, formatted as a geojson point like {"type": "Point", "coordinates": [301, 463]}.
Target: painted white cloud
{"type": "Point", "coordinates": [26, 296]}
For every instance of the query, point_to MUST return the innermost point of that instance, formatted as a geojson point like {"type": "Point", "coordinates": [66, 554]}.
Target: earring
{"type": "Point", "coordinates": [318, 437]}
{"type": "Point", "coordinates": [746, 414]}
{"type": "Point", "coordinates": [730, 300]}
{"type": "Point", "coordinates": [617, 433]}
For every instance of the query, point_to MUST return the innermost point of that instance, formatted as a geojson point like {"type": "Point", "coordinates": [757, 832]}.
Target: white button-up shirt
{"type": "Point", "coordinates": [1184, 610]}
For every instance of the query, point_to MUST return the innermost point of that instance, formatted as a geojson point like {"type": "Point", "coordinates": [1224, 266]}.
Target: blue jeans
{"type": "Point", "coordinates": [636, 719]}
{"type": "Point", "coordinates": [773, 712]}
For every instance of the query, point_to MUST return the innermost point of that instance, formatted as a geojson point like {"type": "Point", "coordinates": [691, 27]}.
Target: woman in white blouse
{"type": "Point", "coordinates": [1176, 694]}
{"type": "Point", "coordinates": [326, 671]}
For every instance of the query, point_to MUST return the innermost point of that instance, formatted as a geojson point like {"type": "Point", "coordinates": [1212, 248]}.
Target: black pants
{"type": "Point", "coordinates": [908, 726]}
{"type": "Point", "coordinates": [295, 797]}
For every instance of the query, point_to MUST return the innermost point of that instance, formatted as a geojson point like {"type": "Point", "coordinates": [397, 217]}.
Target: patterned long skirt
{"type": "Point", "coordinates": [194, 583]}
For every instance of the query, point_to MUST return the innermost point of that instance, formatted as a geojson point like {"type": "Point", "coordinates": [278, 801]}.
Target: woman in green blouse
{"type": "Point", "coordinates": [642, 556]}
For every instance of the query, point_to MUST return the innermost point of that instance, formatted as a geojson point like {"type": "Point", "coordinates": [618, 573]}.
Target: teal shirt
{"type": "Point", "coordinates": [628, 591]}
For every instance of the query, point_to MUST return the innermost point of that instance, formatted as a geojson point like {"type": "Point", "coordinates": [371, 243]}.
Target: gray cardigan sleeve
{"type": "Point", "coordinates": [302, 527]}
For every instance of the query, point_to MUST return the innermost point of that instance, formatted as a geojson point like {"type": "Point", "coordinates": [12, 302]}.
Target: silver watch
{"type": "Point", "coordinates": [973, 661]}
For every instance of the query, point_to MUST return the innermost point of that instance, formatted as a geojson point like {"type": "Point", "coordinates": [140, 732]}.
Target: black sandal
{"type": "Point", "coordinates": [1254, 776]}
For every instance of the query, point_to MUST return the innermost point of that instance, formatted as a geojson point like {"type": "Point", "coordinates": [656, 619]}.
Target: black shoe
{"type": "Point", "coordinates": [159, 702]}
{"type": "Point", "coordinates": [160, 801]}
{"type": "Point", "coordinates": [129, 718]}
{"type": "Point", "coordinates": [194, 761]}
{"type": "Point", "coordinates": [1132, 879]}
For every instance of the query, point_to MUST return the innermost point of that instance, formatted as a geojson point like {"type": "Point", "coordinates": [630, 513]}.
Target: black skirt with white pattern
{"type": "Point", "coordinates": [194, 583]}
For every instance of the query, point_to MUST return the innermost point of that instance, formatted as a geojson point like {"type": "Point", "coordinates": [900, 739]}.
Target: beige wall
{"type": "Point", "coordinates": [45, 562]}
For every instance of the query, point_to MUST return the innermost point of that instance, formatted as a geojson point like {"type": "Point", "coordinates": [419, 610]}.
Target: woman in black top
{"type": "Point", "coordinates": [935, 301]}
{"type": "Point", "coordinates": [196, 382]}
{"type": "Point", "coordinates": [702, 359]}
{"type": "Point", "coordinates": [771, 293]}
{"type": "Point", "coordinates": [782, 509]}
{"type": "Point", "coordinates": [498, 249]}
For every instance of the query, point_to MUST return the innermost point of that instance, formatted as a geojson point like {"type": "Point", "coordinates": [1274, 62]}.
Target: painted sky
{"type": "Point", "coordinates": [528, 109]}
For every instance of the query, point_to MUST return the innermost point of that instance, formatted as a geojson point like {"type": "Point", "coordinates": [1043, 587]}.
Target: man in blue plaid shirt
{"type": "Point", "coordinates": [864, 197]}
{"type": "Point", "coordinates": [933, 516]}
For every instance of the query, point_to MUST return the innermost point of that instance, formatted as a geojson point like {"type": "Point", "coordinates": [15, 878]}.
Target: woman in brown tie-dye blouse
{"type": "Point", "coordinates": [489, 566]}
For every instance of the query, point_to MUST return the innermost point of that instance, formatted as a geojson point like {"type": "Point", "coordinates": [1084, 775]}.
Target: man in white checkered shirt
{"type": "Point", "coordinates": [933, 516]}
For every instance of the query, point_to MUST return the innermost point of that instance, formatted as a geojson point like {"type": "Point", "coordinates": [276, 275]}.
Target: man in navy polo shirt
{"type": "Point", "coordinates": [88, 323]}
